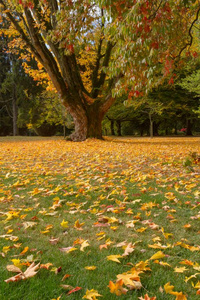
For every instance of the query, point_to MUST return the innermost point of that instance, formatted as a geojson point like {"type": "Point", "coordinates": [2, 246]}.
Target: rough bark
{"type": "Point", "coordinates": [87, 121]}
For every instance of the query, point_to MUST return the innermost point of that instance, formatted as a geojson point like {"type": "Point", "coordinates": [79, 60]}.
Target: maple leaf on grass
{"type": "Point", "coordinates": [91, 295]}
{"type": "Point", "coordinates": [74, 290]}
{"type": "Point", "coordinates": [146, 297]}
{"type": "Point", "coordinates": [114, 258]}
{"type": "Point", "coordinates": [30, 272]}
{"type": "Point", "coordinates": [169, 290]}
{"type": "Point", "coordinates": [117, 288]}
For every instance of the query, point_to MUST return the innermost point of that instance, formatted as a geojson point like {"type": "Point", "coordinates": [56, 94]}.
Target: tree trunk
{"type": "Point", "coordinates": [15, 113]}
{"type": "Point", "coordinates": [112, 127]}
{"type": "Point", "coordinates": [151, 125]}
{"type": "Point", "coordinates": [189, 128]}
{"type": "Point", "coordinates": [119, 128]}
{"type": "Point", "coordinates": [95, 116]}
{"type": "Point", "coordinates": [87, 121]}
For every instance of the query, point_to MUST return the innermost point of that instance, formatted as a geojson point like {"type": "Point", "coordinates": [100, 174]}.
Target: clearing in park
{"type": "Point", "coordinates": [113, 219]}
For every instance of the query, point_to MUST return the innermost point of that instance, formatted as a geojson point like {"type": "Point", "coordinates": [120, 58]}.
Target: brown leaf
{"type": "Point", "coordinates": [54, 241]}
{"type": "Point", "coordinates": [30, 272]}
{"type": "Point", "coordinates": [12, 268]}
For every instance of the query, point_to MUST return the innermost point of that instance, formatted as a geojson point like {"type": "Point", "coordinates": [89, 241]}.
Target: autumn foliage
{"type": "Point", "coordinates": [124, 208]}
{"type": "Point", "coordinates": [96, 51]}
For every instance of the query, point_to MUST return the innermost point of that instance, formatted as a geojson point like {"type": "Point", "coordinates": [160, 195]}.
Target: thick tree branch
{"type": "Point", "coordinates": [99, 83]}
{"type": "Point", "coordinates": [49, 62]}
{"type": "Point", "coordinates": [21, 32]}
{"type": "Point", "coordinates": [97, 64]}
{"type": "Point", "coordinates": [190, 35]}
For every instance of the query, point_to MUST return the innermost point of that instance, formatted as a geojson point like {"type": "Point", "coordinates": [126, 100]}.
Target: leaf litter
{"type": "Point", "coordinates": [99, 193]}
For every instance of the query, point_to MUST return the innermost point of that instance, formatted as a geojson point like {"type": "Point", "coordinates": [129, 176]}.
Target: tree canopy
{"type": "Point", "coordinates": [94, 51]}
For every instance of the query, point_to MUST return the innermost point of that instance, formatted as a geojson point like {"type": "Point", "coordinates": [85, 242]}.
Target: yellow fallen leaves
{"type": "Point", "coordinates": [90, 268]}
{"type": "Point", "coordinates": [114, 258]}
{"type": "Point", "coordinates": [91, 295]}
{"type": "Point", "coordinates": [169, 290]}
{"type": "Point", "coordinates": [158, 255]}
{"type": "Point", "coordinates": [64, 224]}
{"type": "Point", "coordinates": [123, 191]}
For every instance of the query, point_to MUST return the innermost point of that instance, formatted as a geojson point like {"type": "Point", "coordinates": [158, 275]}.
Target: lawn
{"type": "Point", "coordinates": [113, 219]}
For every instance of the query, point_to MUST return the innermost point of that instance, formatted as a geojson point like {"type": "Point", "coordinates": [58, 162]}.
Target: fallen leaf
{"type": "Point", "coordinates": [30, 272]}
{"type": "Point", "coordinates": [114, 258]}
{"type": "Point", "coordinates": [116, 288]}
{"type": "Point", "coordinates": [91, 295]}
{"type": "Point", "coordinates": [74, 290]}
{"type": "Point", "coordinates": [157, 255]}
{"type": "Point", "coordinates": [180, 270]}
{"type": "Point", "coordinates": [90, 268]}
{"type": "Point", "coordinates": [84, 245]}
{"type": "Point", "coordinates": [64, 224]}
{"type": "Point", "coordinates": [12, 268]}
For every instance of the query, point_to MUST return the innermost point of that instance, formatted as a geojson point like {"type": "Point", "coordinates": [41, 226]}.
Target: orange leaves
{"type": "Point", "coordinates": [130, 280]}
{"type": "Point", "coordinates": [117, 288]}
{"type": "Point", "coordinates": [146, 297]}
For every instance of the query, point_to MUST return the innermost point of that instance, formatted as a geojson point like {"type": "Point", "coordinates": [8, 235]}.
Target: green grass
{"type": "Point", "coordinates": [93, 181]}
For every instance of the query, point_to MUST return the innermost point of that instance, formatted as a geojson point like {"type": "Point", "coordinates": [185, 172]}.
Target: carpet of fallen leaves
{"type": "Point", "coordinates": [134, 202]}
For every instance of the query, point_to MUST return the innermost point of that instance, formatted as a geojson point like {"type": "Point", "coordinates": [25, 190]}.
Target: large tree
{"type": "Point", "coordinates": [129, 41]}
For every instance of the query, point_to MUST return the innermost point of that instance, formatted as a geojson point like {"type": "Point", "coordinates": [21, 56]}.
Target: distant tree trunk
{"type": "Point", "coordinates": [189, 127]}
{"type": "Point", "coordinates": [151, 125]}
{"type": "Point", "coordinates": [175, 128]}
{"type": "Point", "coordinates": [119, 128]}
{"type": "Point", "coordinates": [15, 112]}
{"type": "Point", "coordinates": [155, 128]}
{"type": "Point", "coordinates": [141, 131]}
{"type": "Point", "coordinates": [112, 127]}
